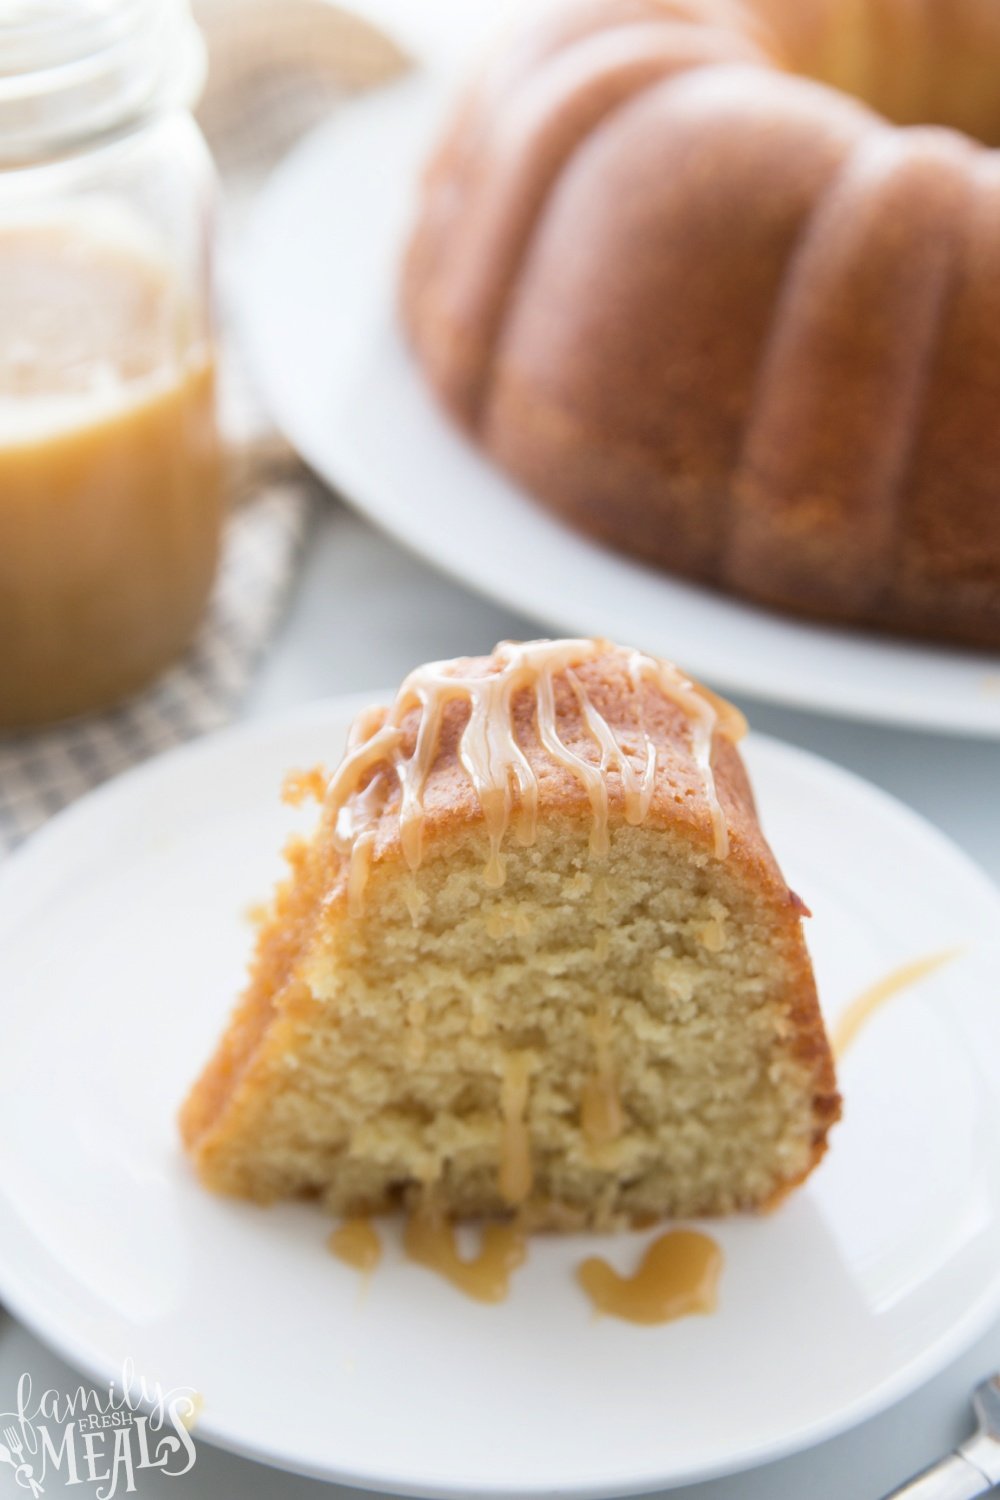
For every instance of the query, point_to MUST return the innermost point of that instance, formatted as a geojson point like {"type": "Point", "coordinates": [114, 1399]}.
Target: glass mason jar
{"type": "Point", "coordinates": [110, 482]}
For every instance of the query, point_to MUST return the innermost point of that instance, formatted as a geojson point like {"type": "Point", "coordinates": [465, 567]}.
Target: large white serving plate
{"type": "Point", "coordinates": [318, 292]}
{"type": "Point", "coordinates": [123, 939]}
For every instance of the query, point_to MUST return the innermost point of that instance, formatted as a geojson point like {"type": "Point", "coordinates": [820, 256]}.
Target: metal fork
{"type": "Point", "coordinates": [973, 1468]}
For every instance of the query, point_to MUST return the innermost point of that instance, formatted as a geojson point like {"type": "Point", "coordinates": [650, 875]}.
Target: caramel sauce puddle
{"type": "Point", "coordinates": [678, 1275]}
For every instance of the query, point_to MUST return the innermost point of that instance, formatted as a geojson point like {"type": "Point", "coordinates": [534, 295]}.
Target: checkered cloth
{"type": "Point", "coordinates": [294, 61]}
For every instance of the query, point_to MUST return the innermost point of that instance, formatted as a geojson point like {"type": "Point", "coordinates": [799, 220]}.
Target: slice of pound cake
{"type": "Point", "coordinates": [536, 957]}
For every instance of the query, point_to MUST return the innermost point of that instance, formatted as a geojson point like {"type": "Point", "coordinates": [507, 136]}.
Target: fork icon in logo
{"type": "Point", "coordinates": [12, 1452]}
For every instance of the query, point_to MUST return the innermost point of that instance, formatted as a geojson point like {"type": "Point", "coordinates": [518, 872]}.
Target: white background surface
{"type": "Point", "coordinates": [364, 613]}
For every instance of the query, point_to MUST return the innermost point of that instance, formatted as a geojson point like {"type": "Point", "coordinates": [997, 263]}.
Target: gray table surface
{"type": "Point", "coordinates": [364, 613]}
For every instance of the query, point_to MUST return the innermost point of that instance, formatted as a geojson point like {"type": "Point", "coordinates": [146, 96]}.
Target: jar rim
{"type": "Point", "coordinates": [75, 71]}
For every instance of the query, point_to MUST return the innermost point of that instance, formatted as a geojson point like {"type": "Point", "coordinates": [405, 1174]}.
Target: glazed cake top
{"type": "Point", "coordinates": [575, 720]}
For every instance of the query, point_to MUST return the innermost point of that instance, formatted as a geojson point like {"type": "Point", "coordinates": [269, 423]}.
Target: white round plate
{"type": "Point", "coordinates": [317, 296]}
{"type": "Point", "coordinates": [123, 939]}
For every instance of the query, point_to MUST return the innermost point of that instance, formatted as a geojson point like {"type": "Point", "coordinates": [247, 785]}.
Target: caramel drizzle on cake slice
{"type": "Point", "coordinates": [516, 1170]}
{"type": "Point", "coordinates": [601, 1115]}
{"type": "Point", "coordinates": [496, 765]}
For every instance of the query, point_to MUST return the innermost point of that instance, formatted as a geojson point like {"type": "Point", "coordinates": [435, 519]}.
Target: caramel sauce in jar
{"type": "Point", "coordinates": [110, 471]}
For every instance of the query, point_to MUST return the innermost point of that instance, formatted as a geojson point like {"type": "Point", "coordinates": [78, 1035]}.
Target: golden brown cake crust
{"type": "Point", "coordinates": [231, 1101]}
{"type": "Point", "coordinates": [679, 796]}
{"type": "Point", "coordinates": [728, 319]}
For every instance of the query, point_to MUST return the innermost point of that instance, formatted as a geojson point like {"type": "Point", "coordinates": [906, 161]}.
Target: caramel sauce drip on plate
{"type": "Point", "coordinates": [871, 1000]}
{"type": "Point", "coordinates": [357, 1244]}
{"type": "Point", "coordinates": [678, 1275]}
{"type": "Point", "coordinates": [430, 1241]}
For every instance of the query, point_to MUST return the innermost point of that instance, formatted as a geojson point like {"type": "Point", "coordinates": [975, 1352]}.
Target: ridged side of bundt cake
{"type": "Point", "coordinates": [724, 317]}
{"type": "Point", "coordinates": [537, 958]}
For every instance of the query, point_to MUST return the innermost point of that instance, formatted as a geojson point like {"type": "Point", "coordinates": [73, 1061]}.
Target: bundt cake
{"type": "Point", "coordinates": [537, 956]}
{"type": "Point", "coordinates": [719, 313]}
